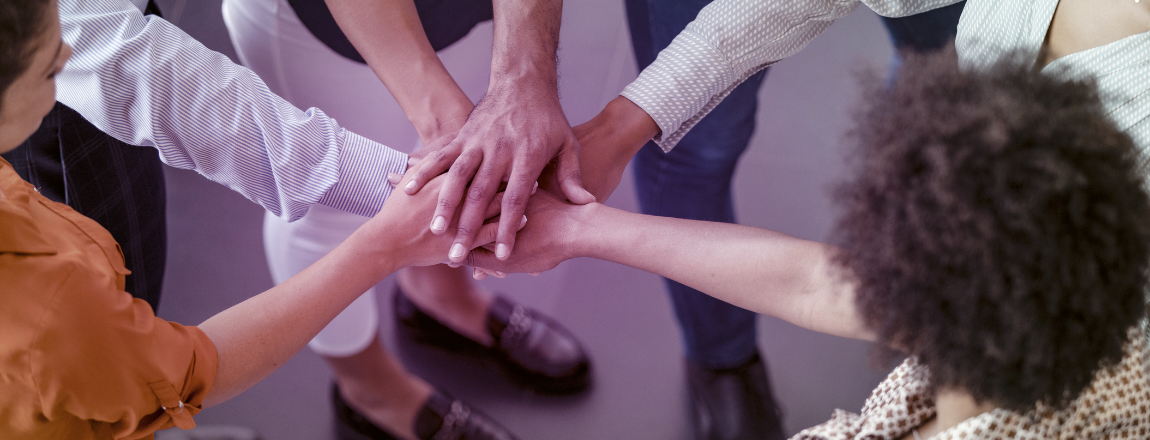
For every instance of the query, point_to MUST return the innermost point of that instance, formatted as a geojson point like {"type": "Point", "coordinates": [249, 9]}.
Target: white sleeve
{"type": "Point", "coordinates": [731, 40]}
{"type": "Point", "coordinates": [145, 82]}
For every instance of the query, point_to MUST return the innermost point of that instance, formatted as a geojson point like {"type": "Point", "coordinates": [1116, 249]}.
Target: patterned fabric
{"type": "Point", "coordinates": [119, 186]}
{"type": "Point", "coordinates": [1116, 405]}
{"type": "Point", "coordinates": [732, 39]}
{"type": "Point", "coordinates": [1121, 68]}
{"type": "Point", "coordinates": [145, 82]}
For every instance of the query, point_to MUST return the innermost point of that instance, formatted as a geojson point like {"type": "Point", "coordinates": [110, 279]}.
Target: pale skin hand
{"type": "Point", "coordinates": [513, 133]}
{"type": "Point", "coordinates": [257, 336]}
{"type": "Point", "coordinates": [759, 270]}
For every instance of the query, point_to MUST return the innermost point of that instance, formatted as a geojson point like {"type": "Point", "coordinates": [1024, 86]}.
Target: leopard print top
{"type": "Point", "coordinates": [1116, 405]}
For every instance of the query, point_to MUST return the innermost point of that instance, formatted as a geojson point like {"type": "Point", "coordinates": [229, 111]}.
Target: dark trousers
{"type": "Point", "coordinates": [120, 186]}
{"type": "Point", "coordinates": [693, 181]}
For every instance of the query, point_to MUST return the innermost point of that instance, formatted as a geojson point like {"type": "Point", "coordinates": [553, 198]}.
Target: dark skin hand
{"type": "Point", "coordinates": [511, 136]}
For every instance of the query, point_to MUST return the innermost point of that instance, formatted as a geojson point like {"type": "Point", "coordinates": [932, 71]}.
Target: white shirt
{"type": "Point", "coordinates": [731, 40]}
{"type": "Point", "coordinates": [146, 82]}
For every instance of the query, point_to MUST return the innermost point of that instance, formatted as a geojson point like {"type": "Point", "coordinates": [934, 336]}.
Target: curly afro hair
{"type": "Point", "coordinates": [998, 228]}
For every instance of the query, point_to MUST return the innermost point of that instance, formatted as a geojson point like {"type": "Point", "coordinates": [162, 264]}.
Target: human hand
{"type": "Point", "coordinates": [400, 226]}
{"type": "Point", "coordinates": [549, 238]}
{"type": "Point", "coordinates": [512, 134]}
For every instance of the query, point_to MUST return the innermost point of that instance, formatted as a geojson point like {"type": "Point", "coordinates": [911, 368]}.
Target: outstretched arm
{"type": "Point", "coordinates": [257, 336]}
{"type": "Point", "coordinates": [760, 270]}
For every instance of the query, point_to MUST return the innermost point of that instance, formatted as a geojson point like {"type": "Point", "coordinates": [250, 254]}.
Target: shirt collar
{"type": "Point", "coordinates": [18, 231]}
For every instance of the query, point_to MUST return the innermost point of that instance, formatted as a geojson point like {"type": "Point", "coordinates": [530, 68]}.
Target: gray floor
{"type": "Point", "coordinates": [621, 314]}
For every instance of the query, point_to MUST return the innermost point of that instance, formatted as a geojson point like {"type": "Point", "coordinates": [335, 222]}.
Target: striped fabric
{"type": "Point", "coordinates": [146, 82]}
{"type": "Point", "coordinates": [732, 39]}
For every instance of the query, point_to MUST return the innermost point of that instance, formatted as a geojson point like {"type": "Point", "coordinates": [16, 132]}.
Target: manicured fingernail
{"type": "Point", "coordinates": [502, 251]}
{"type": "Point", "coordinates": [523, 222]}
{"type": "Point", "coordinates": [410, 185]}
{"type": "Point", "coordinates": [535, 188]}
{"type": "Point", "coordinates": [456, 251]}
{"type": "Point", "coordinates": [437, 224]}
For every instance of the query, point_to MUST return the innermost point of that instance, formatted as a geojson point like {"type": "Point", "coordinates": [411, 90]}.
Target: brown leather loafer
{"type": "Point", "coordinates": [536, 351]}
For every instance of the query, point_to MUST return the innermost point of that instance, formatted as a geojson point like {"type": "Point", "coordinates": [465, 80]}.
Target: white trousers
{"type": "Point", "coordinates": [271, 41]}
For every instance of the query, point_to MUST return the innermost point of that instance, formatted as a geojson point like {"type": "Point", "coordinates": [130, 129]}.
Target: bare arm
{"type": "Point", "coordinates": [257, 336]}
{"type": "Point", "coordinates": [760, 270]}
{"type": "Point", "coordinates": [390, 37]}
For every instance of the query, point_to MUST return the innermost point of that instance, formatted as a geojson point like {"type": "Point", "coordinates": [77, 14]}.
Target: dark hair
{"type": "Point", "coordinates": [22, 24]}
{"type": "Point", "coordinates": [997, 228]}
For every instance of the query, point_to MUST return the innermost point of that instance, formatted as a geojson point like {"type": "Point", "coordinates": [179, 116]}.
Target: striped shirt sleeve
{"type": "Point", "coordinates": [728, 42]}
{"type": "Point", "coordinates": [146, 82]}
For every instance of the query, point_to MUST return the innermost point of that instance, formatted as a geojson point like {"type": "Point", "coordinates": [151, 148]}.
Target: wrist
{"type": "Point", "coordinates": [586, 231]}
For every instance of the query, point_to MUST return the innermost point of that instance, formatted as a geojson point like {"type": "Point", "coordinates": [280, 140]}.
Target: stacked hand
{"type": "Point", "coordinates": [511, 136]}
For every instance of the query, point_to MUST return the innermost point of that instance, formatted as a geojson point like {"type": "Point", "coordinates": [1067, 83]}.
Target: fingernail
{"type": "Point", "coordinates": [502, 251]}
{"type": "Point", "coordinates": [523, 222]}
{"type": "Point", "coordinates": [535, 188]}
{"type": "Point", "coordinates": [478, 274]}
{"type": "Point", "coordinates": [394, 178]}
{"type": "Point", "coordinates": [500, 274]}
{"type": "Point", "coordinates": [456, 251]}
{"type": "Point", "coordinates": [410, 185]}
{"type": "Point", "coordinates": [437, 224]}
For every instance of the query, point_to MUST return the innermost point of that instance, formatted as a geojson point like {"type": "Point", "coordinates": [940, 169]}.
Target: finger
{"type": "Point", "coordinates": [483, 188]}
{"type": "Point", "coordinates": [394, 179]}
{"type": "Point", "coordinates": [433, 165]}
{"type": "Point", "coordinates": [478, 274]}
{"type": "Point", "coordinates": [453, 187]}
{"type": "Point", "coordinates": [514, 205]}
{"type": "Point", "coordinates": [485, 235]}
{"type": "Point", "coordinates": [494, 207]}
{"type": "Point", "coordinates": [481, 259]}
{"type": "Point", "coordinates": [567, 170]}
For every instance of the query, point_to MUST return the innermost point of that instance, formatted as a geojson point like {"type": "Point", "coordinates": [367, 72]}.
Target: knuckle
{"type": "Point", "coordinates": [476, 194]}
{"type": "Point", "coordinates": [464, 231]}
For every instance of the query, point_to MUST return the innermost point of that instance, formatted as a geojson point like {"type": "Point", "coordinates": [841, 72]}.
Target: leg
{"type": "Point", "coordinates": [729, 389]}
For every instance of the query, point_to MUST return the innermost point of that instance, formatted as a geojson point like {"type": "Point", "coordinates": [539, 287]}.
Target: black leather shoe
{"type": "Point", "coordinates": [734, 403]}
{"type": "Point", "coordinates": [536, 351]}
{"type": "Point", "coordinates": [441, 418]}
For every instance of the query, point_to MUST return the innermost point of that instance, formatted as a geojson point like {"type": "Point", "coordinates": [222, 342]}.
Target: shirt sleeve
{"type": "Point", "coordinates": [731, 40]}
{"type": "Point", "coordinates": [104, 357]}
{"type": "Point", "coordinates": [146, 82]}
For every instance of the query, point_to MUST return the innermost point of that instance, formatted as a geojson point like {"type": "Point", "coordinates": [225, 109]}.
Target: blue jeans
{"type": "Point", "coordinates": [693, 181]}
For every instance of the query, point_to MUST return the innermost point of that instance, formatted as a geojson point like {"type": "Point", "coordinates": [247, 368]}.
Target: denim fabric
{"type": "Point", "coordinates": [693, 181]}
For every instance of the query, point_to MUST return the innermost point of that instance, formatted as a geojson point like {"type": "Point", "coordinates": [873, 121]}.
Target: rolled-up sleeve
{"type": "Point", "coordinates": [729, 41]}
{"type": "Point", "coordinates": [104, 357]}
{"type": "Point", "coordinates": [145, 82]}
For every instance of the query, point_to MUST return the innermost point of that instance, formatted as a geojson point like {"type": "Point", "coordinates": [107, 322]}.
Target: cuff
{"type": "Point", "coordinates": [362, 186]}
{"type": "Point", "coordinates": [686, 77]}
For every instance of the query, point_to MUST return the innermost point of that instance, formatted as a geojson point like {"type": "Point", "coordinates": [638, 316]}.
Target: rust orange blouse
{"type": "Point", "coordinates": [79, 357]}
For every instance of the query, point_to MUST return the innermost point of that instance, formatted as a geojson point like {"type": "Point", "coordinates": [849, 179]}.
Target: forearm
{"type": "Point", "coordinates": [389, 36]}
{"type": "Point", "coordinates": [760, 270]}
{"type": "Point", "coordinates": [259, 335]}
{"type": "Point", "coordinates": [526, 37]}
